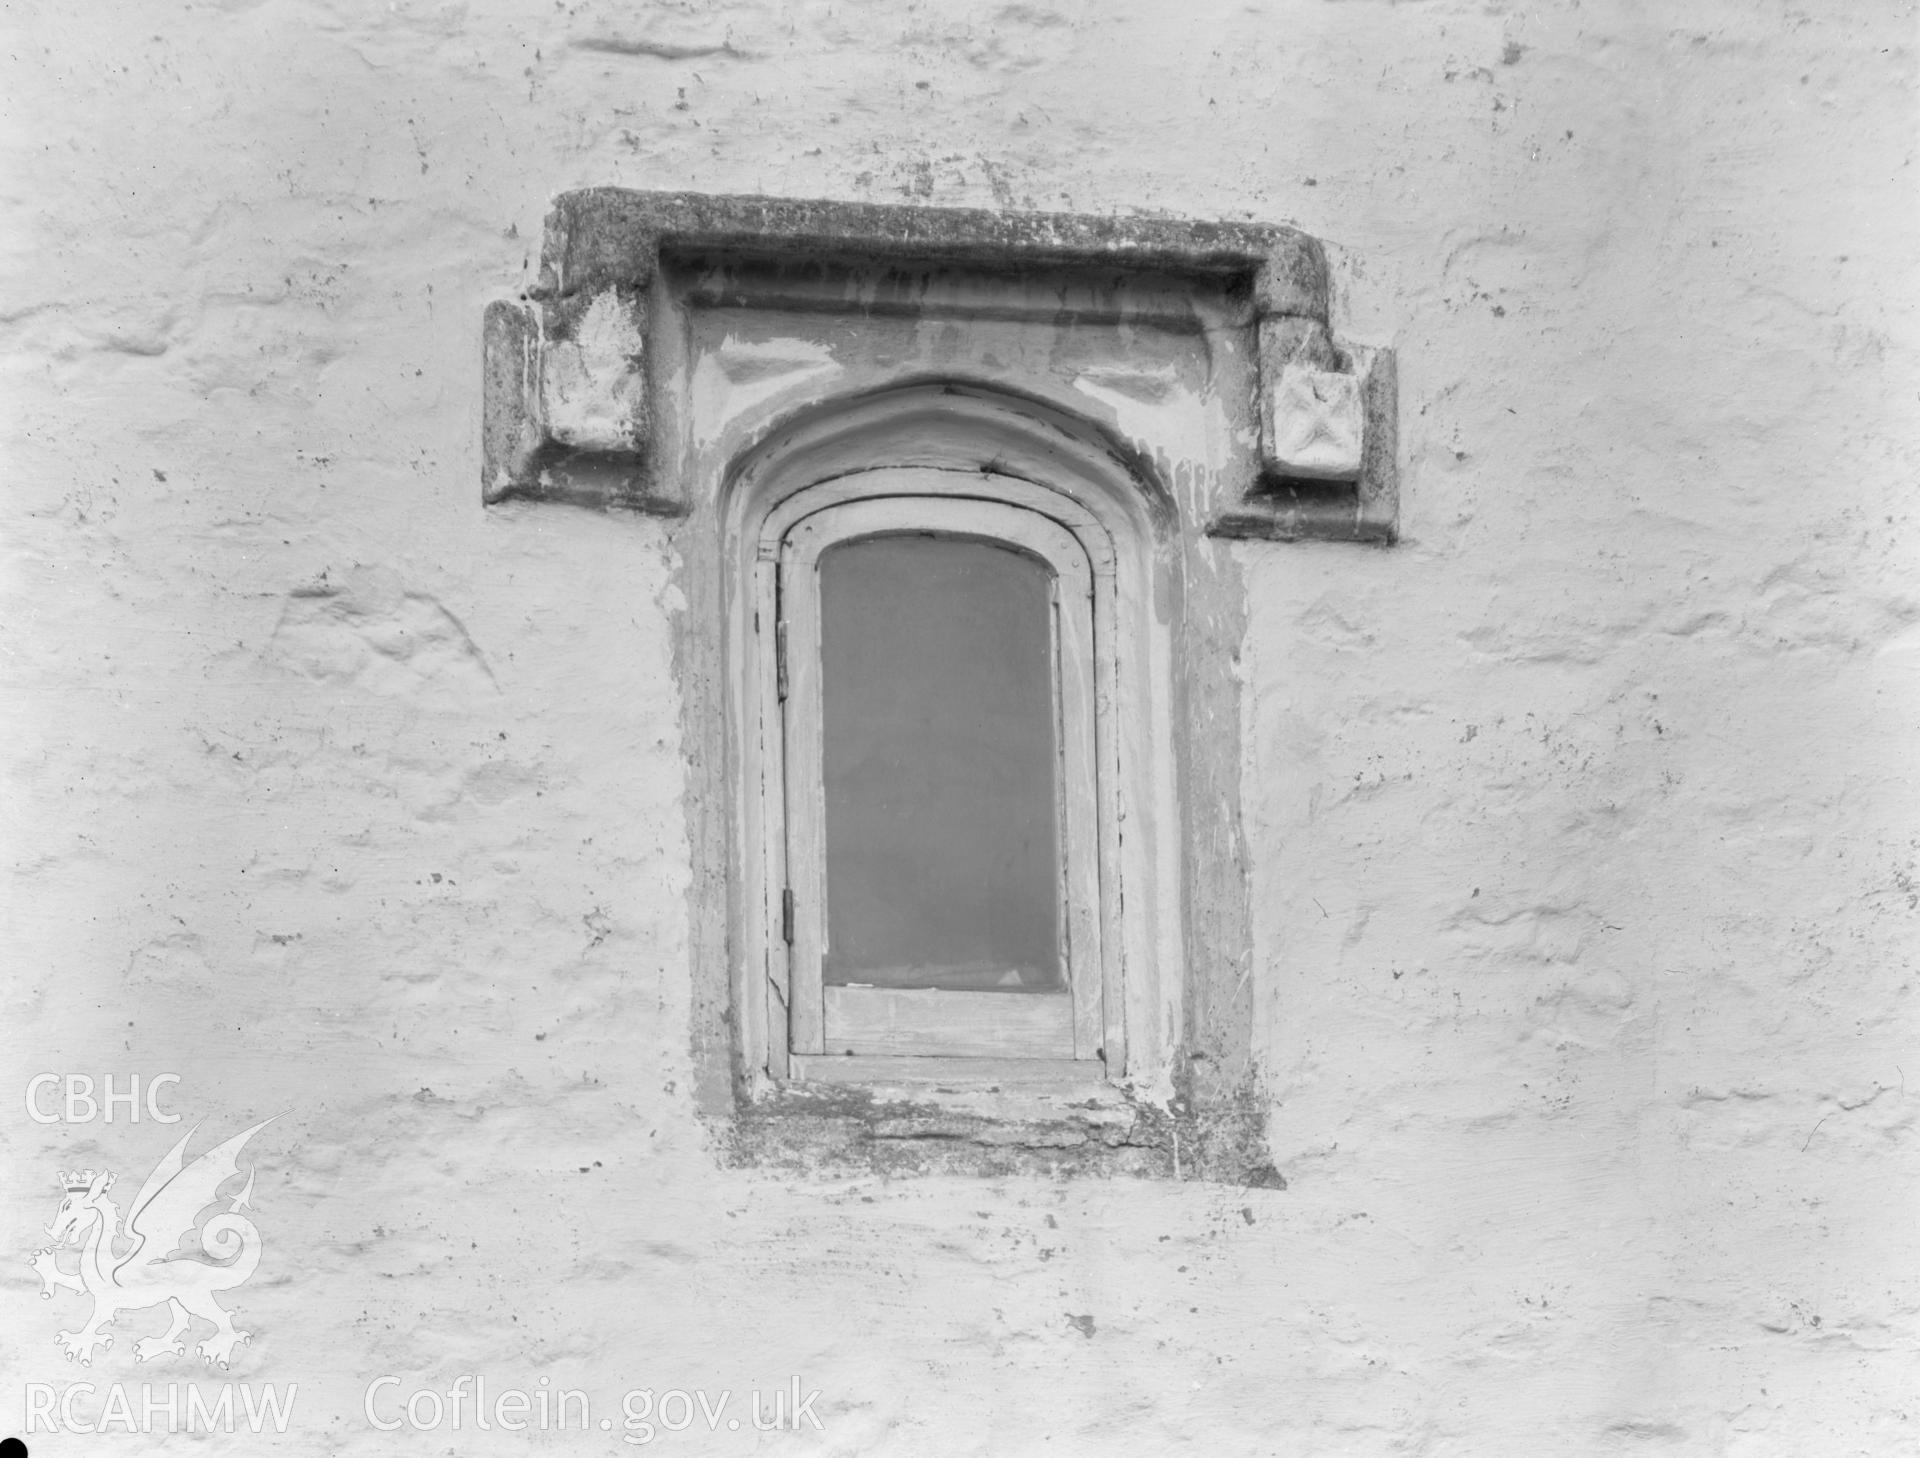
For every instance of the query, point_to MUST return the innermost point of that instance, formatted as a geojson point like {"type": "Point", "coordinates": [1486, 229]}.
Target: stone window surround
{"type": "Point", "coordinates": [587, 401]}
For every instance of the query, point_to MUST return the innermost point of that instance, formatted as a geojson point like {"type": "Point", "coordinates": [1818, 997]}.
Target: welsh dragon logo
{"type": "Point", "coordinates": [140, 1264]}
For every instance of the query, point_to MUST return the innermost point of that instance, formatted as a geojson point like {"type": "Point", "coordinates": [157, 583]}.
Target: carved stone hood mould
{"type": "Point", "coordinates": [578, 390]}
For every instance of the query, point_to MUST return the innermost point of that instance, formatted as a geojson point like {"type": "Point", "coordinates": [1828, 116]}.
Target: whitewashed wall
{"type": "Point", "coordinates": [1583, 824]}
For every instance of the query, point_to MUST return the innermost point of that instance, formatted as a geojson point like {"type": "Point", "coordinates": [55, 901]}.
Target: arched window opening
{"type": "Point", "coordinates": [934, 761]}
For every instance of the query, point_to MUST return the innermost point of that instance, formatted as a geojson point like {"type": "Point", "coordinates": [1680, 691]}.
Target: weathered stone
{"type": "Point", "coordinates": [1312, 424]}
{"type": "Point", "coordinates": [510, 427]}
{"type": "Point", "coordinates": [593, 384]}
{"type": "Point", "coordinates": [601, 236]}
{"type": "Point", "coordinates": [596, 393]}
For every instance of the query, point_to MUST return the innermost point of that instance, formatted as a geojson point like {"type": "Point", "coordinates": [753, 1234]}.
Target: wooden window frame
{"type": "Point", "coordinates": [882, 1021]}
{"type": "Point", "coordinates": [962, 1037]}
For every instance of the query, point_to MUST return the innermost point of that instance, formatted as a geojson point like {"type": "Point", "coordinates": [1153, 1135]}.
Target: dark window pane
{"type": "Point", "coordinates": [943, 854]}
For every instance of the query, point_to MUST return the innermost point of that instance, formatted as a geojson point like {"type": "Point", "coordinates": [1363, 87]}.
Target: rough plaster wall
{"type": "Point", "coordinates": [1582, 825]}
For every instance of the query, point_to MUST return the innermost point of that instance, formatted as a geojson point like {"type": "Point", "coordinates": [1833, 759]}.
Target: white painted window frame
{"type": "Point", "coordinates": [886, 1021]}
{"type": "Point", "coordinates": [781, 771]}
